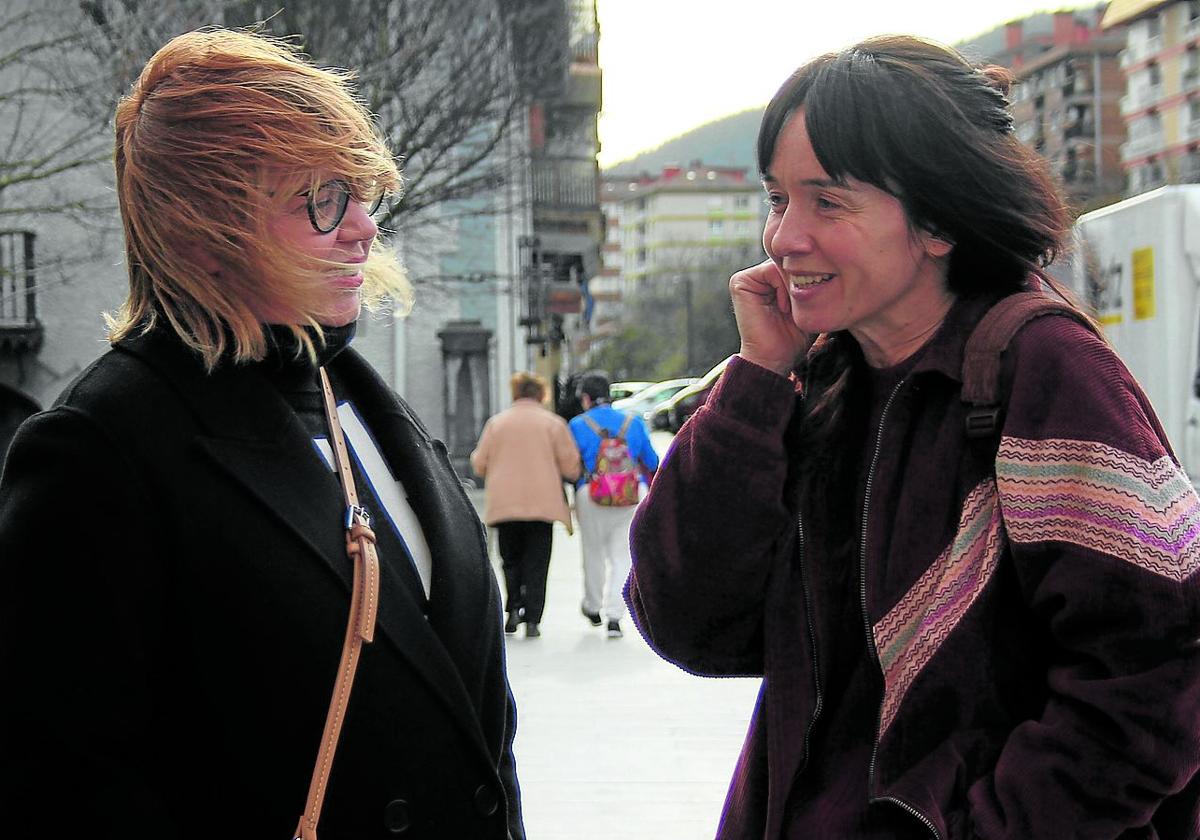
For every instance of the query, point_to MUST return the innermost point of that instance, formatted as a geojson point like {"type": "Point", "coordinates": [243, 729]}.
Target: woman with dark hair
{"type": "Point", "coordinates": [958, 637]}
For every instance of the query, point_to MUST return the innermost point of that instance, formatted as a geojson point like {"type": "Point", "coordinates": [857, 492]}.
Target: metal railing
{"type": "Point", "coordinates": [1134, 53]}
{"type": "Point", "coordinates": [565, 182]}
{"type": "Point", "coordinates": [1140, 98]}
{"type": "Point", "coordinates": [1147, 144]}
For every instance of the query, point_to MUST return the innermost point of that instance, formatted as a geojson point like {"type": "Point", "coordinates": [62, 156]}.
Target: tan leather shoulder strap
{"type": "Point", "coordinates": [625, 427]}
{"type": "Point", "coordinates": [360, 547]}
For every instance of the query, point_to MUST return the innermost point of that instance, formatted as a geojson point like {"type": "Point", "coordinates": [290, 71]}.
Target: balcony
{"type": "Point", "coordinates": [1141, 98]}
{"type": "Point", "coordinates": [567, 183]}
{"type": "Point", "coordinates": [584, 86]}
{"type": "Point", "coordinates": [20, 330]}
{"type": "Point", "coordinates": [1139, 147]}
{"type": "Point", "coordinates": [1191, 130]}
{"type": "Point", "coordinates": [1134, 53]}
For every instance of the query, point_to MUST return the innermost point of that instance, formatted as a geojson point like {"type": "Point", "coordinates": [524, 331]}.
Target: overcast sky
{"type": "Point", "coordinates": [671, 65]}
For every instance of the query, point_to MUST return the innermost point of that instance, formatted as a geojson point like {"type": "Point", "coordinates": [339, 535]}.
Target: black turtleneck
{"type": "Point", "coordinates": [294, 374]}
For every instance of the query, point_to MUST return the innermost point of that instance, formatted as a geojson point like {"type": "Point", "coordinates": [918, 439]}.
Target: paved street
{"type": "Point", "coordinates": [612, 741]}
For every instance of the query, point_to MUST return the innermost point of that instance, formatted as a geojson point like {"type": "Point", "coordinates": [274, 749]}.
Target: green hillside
{"type": "Point", "coordinates": [728, 141]}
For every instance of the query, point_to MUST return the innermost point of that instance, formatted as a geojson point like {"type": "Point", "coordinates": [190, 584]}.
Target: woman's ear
{"type": "Point", "coordinates": [936, 243]}
{"type": "Point", "coordinates": [202, 257]}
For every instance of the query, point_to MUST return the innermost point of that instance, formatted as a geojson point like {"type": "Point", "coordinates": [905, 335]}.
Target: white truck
{"type": "Point", "coordinates": [1137, 266]}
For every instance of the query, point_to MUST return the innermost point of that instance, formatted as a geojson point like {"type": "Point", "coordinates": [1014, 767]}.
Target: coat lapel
{"type": "Point", "coordinates": [252, 434]}
{"type": "Point", "coordinates": [435, 493]}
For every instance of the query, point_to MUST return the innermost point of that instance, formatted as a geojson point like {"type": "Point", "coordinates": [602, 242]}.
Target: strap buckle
{"type": "Point", "coordinates": [359, 514]}
{"type": "Point", "coordinates": [983, 421]}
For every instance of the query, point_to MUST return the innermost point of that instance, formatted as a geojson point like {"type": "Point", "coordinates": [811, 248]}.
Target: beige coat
{"type": "Point", "coordinates": [524, 454]}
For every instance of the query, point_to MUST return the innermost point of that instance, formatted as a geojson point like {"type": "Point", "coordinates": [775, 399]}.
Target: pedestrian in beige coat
{"type": "Point", "coordinates": [524, 455]}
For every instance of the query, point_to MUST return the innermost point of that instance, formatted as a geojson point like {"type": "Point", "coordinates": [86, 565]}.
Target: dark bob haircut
{"type": "Point", "coordinates": [918, 121]}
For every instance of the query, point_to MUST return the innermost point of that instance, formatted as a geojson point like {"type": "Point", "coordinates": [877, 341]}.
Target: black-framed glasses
{"type": "Point", "coordinates": [327, 204]}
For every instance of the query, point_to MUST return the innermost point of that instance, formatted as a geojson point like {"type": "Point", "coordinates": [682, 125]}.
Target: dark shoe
{"type": "Point", "coordinates": [591, 616]}
{"type": "Point", "coordinates": [614, 630]}
{"type": "Point", "coordinates": [531, 630]}
{"type": "Point", "coordinates": [510, 625]}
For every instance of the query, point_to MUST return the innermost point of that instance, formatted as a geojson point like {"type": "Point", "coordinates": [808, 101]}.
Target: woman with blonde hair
{"type": "Point", "coordinates": [171, 655]}
{"type": "Point", "coordinates": [524, 455]}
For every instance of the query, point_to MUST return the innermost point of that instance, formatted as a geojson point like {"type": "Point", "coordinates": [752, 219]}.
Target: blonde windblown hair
{"type": "Point", "coordinates": [218, 132]}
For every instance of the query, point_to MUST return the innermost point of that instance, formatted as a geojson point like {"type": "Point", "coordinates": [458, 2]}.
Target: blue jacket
{"type": "Point", "coordinates": [607, 417]}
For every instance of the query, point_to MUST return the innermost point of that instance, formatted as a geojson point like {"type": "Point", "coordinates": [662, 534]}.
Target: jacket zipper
{"type": "Point", "coordinates": [812, 640]}
{"type": "Point", "coordinates": [862, 584]}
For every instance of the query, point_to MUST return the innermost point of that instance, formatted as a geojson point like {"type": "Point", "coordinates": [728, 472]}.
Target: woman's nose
{"type": "Point", "coordinates": [792, 234]}
{"type": "Point", "coordinates": [357, 224]}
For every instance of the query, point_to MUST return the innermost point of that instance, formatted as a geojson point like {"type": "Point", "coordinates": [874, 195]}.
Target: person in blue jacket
{"type": "Point", "coordinates": [604, 525]}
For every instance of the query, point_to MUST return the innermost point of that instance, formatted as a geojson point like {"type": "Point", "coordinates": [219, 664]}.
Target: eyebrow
{"type": "Point", "coordinates": [825, 183]}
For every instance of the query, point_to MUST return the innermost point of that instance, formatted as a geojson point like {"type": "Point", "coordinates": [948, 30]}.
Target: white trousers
{"type": "Point", "coordinates": [604, 533]}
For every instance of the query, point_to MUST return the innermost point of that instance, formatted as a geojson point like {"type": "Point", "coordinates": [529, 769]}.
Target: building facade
{"type": "Point", "coordinates": [1066, 104]}
{"type": "Point", "coordinates": [1161, 105]}
{"type": "Point", "coordinates": [559, 259]}
{"type": "Point", "coordinates": [1066, 95]}
{"type": "Point", "coordinates": [681, 218]}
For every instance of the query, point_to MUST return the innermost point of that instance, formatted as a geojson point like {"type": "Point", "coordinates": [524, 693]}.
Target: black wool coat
{"type": "Point", "coordinates": [173, 597]}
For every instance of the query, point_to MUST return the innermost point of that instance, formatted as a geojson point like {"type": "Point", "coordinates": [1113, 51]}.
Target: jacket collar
{"type": "Point", "coordinates": [944, 352]}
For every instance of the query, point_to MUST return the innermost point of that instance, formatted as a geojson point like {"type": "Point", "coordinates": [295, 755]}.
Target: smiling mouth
{"type": "Point", "coordinates": [808, 280]}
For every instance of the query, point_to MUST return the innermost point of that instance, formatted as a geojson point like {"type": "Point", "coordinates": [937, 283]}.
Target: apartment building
{"type": "Point", "coordinates": [1066, 103]}
{"type": "Point", "coordinates": [683, 218]}
{"type": "Point", "coordinates": [1161, 105]}
{"type": "Point", "coordinates": [1065, 100]}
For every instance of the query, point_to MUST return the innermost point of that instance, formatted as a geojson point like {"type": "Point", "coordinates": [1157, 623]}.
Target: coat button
{"type": "Point", "coordinates": [396, 818]}
{"type": "Point", "coordinates": [486, 802]}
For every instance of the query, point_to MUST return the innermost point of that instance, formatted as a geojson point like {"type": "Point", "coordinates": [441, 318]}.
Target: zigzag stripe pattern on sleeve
{"type": "Point", "coordinates": [913, 630]}
{"type": "Point", "coordinates": [1100, 498]}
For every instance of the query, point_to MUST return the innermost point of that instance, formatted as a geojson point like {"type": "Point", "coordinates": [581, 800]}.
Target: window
{"type": "Point", "coordinates": [1193, 11]}
{"type": "Point", "coordinates": [1154, 26]}
{"type": "Point", "coordinates": [742, 201]}
{"type": "Point", "coordinates": [716, 227]}
{"type": "Point", "coordinates": [1154, 72]}
{"type": "Point", "coordinates": [18, 301]}
{"type": "Point", "coordinates": [1190, 170]}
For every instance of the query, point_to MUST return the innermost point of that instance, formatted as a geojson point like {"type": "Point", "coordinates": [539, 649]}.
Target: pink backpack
{"type": "Point", "coordinates": [614, 482]}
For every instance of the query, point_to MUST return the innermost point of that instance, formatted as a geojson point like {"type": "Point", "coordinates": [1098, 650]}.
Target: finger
{"type": "Point", "coordinates": [761, 280]}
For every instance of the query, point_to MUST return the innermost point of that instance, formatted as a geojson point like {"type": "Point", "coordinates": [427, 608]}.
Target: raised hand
{"type": "Point", "coordinates": [763, 309]}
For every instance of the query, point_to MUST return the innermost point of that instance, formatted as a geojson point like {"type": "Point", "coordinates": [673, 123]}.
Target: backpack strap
{"type": "Point", "coordinates": [625, 427]}
{"type": "Point", "coordinates": [594, 426]}
{"type": "Point", "coordinates": [989, 339]}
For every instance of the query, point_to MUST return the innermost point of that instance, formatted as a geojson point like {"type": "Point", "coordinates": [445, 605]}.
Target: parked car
{"type": "Point", "coordinates": [621, 390]}
{"type": "Point", "coordinates": [646, 399]}
{"type": "Point", "coordinates": [671, 414]}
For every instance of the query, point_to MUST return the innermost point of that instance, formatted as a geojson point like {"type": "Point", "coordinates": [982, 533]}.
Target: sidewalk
{"type": "Point", "coordinates": [611, 740]}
